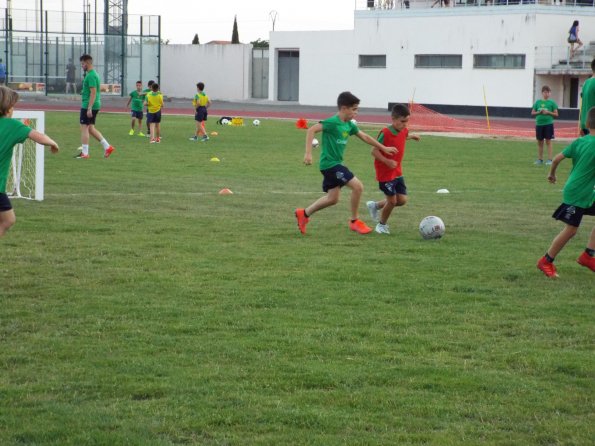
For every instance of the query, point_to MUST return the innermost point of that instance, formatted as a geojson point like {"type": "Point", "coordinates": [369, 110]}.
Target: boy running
{"type": "Point", "coordinates": [335, 134]}
{"type": "Point", "coordinates": [90, 108]}
{"type": "Point", "coordinates": [389, 172]}
{"type": "Point", "coordinates": [578, 199]}
{"type": "Point", "coordinates": [154, 103]}
{"type": "Point", "coordinates": [587, 100]}
{"type": "Point", "coordinates": [135, 102]}
{"type": "Point", "coordinates": [201, 103]}
{"type": "Point", "coordinates": [544, 110]}
{"type": "Point", "coordinates": [12, 132]}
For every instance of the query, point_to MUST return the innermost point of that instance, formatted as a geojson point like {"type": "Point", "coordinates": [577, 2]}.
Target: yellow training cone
{"type": "Point", "coordinates": [225, 191]}
{"type": "Point", "coordinates": [215, 159]}
{"type": "Point", "coordinates": [214, 134]}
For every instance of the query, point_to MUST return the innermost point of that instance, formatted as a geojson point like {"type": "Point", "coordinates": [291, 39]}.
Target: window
{"type": "Point", "coordinates": [438, 61]}
{"type": "Point", "coordinates": [372, 61]}
{"type": "Point", "coordinates": [505, 61]}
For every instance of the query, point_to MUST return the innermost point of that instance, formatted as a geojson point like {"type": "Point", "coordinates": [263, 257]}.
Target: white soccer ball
{"type": "Point", "coordinates": [225, 121]}
{"type": "Point", "coordinates": [432, 227]}
{"type": "Point", "coordinates": [256, 122]}
{"type": "Point", "coordinates": [315, 143]}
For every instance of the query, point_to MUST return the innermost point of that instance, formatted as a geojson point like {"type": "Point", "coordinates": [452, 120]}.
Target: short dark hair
{"type": "Point", "coordinates": [139, 82]}
{"type": "Point", "coordinates": [150, 83]}
{"type": "Point", "coordinates": [85, 58]}
{"type": "Point", "coordinates": [590, 122]}
{"type": "Point", "coordinates": [8, 98]}
{"type": "Point", "coordinates": [545, 88]}
{"type": "Point", "coordinates": [347, 99]}
{"type": "Point", "coordinates": [400, 111]}
{"type": "Point", "coordinates": [200, 86]}
{"type": "Point", "coordinates": [593, 65]}
{"type": "Point", "coordinates": [155, 86]}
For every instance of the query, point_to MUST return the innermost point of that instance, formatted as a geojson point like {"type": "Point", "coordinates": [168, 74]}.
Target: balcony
{"type": "Point", "coordinates": [371, 5]}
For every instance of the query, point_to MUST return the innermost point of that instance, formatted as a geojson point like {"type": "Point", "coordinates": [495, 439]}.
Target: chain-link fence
{"type": "Point", "coordinates": [40, 50]}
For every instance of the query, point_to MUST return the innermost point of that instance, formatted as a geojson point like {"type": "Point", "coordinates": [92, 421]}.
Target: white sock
{"type": "Point", "coordinates": [85, 149]}
{"type": "Point", "coordinates": [104, 144]}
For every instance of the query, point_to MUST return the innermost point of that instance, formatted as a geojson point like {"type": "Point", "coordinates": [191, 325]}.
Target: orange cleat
{"type": "Point", "coordinates": [586, 260]}
{"type": "Point", "coordinates": [548, 268]}
{"type": "Point", "coordinates": [108, 152]}
{"type": "Point", "coordinates": [360, 227]}
{"type": "Point", "coordinates": [302, 220]}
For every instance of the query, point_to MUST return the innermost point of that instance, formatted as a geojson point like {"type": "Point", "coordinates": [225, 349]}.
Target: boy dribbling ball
{"type": "Point", "coordinates": [12, 132]}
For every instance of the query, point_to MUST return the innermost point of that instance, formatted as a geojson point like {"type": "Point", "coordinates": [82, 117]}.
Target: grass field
{"type": "Point", "coordinates": [139, 307]}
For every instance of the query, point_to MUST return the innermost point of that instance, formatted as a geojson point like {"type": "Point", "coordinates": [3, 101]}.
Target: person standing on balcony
{"type": "Point", "coordinates": [573, 39]}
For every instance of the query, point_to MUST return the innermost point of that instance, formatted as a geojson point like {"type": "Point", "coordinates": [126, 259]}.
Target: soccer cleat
{"type": "Point", "coordinates": [131, 132]}
{"type": "Point", "coordinates": [382, 229]}
{"type": "Point", "coordinates": [157, 140]}
{"type": "Point", "coordinates": [108, 152]}
{"type": "Point", "coordinates": [153, 141]}
{"type": "Point", "coordinates": [82, 156]}
{"type": "Point", "coordinates": [586, 260]}
{"type": "Point", "coordinates": [373, 210]}
{"type": "Point", "coordinates": [194, 138]}
{"type": "Point", "coordinates": [302, 220]}
{"type": "Point", "coordinates": [548, 163]}
{"type": "Point", "coordinates": [360, 227]}
{"type": "Point", "coordinates": [204, 138]}
{"type": "Point", "coordinates": [140, 134]}
{"type": "Point", "coordinates": [547, 268]}
{"type": "Point", "coordinates": [538, 162]}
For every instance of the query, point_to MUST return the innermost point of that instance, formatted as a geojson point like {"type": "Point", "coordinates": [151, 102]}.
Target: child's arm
{"type": "Point", "coordinates": [390, 163]}
{"type": "Point", "coordinates": [535, 112]}
{"type": "Point", "coordinates": [44, 139]}
{"type": "Point", "coordinates": [208, 104]}
{"type": "Point", "coordinates": [371, 141]}
{"type": "Point", "coordinates": [309, 137]}
{"type": "Point", "coordinates": [557, 159]}
{"type": "Point", "coordinates": [128, 103]}
{"type": "Point", "coordinates": [413, 136]}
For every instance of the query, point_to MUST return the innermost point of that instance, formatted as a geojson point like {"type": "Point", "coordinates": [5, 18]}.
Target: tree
{"type": "Point", "coordinates": [260, 43]}
{"type": "Point", "coordinates": [195, 41]}
{"type": "Point", "coordinates": [235, 38]}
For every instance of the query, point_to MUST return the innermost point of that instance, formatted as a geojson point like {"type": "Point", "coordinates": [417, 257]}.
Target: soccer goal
{"type": "Point", "coordinates": [25, 178]}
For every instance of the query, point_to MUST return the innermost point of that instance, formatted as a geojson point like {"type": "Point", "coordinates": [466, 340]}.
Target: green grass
{"type": "Point", "coordinates": [139, 307]}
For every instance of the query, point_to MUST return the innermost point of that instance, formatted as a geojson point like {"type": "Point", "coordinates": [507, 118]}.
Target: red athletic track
{"type": "Point", "coordinates": [422, 119]}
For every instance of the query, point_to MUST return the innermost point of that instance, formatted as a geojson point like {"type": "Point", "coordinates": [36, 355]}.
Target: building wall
{"type": "Point", "coordinates": [225, 70]}
{"type": "Point", "coordinates": [329, 60]}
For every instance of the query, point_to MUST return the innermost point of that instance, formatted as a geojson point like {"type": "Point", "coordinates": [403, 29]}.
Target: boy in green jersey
{"type": "Point", "coordinates": [544, 110]}
{"type": "Point", "coordinates": [136, 100]}
{"type": "Point", "coordinates": [201, 103]}
{"type": "Point", "coordinates": [578, 199]}
{"type": "Point", "coordinates": [335, 133]}
{"type": "Point", "coordinates": [588, 99]}
{"type": "Point", "coordinates": [90, 108]}
{"type": "Point", "coordinates": [12, 132]}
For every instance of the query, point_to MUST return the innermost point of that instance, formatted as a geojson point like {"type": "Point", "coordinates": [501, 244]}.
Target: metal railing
{"type": "Point", "coordinates": [557, 58]}
{"type": "Point", "coordinates": [371, 5]}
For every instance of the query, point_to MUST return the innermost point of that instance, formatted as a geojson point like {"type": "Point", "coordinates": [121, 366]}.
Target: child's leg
{"type": "Point", "coordinates": [158, 130]}
{"type": "Point", "coordinates": [132, 121]}
{"type": "Point", "coordinates": [330, 199]}
{"type": "Point", "coordinates": [152, 130]}
{"type": "Point", "coordinates": [203, 128]}
{"type": "Point", "coordinates": [389, 204]}
{"type": "Point", "coordinates": [548, 143]}
{"type": "Point", "coordinates": [7, 219]}
{"type": "Point", "coordinates": [561, 239]}
{"type": "Point", "coordinates": [357, 189]}
{"type": "Point", "coordinates": [197, 128]}
{"type": "Point", "coordinates": [540, 149]}
{"type": "Point", "coordinates": [591, 243]}
{"type": "Point", "coordinates": [95, 133]}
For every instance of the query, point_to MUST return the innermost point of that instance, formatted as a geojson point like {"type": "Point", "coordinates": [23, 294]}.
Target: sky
{"type": "Point", "coordinates": [213, 19]}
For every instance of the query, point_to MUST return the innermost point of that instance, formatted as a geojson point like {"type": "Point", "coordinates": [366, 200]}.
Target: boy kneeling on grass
{"type": "Point", "coordinates": [578, 198]}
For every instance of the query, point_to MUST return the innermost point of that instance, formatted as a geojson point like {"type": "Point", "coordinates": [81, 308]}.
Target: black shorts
{"type": "Point", "coordinates": [201, 114]}
{"type": "Point", "coordinates": [85, 120]}
{"type": "Point", "coordinates": [136, 114]}
{"type": "Point", "coordinates": [394, 187]}
{"type": "Point", "coordinates": [4, 203]}
{"type": "Point", "coordinates": [336, 176]}
{"type": "Point", "coordinates": [586, 131]}
{"type": "Point", "coordinates": [154, 118]}
{"type": "Point", "coordinates": [572, 215]}
{"type": "Point", "coordinates": [544, 132]}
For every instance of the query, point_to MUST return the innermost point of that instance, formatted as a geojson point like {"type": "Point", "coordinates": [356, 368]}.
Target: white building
{"type": "Point", "coordinates": [442, 56]}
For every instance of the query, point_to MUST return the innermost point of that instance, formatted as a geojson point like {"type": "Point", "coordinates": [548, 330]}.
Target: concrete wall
{"type": "Point", "coordinates": [225, 70]}
{"type": "Point", "coordinates": [329, 60]}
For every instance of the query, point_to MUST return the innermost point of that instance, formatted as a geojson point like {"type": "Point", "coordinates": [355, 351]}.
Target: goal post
{"type": "Point", "coordinates": [26, 174]}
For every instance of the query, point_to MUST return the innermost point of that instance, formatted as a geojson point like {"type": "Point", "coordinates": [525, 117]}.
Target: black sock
{"type": "Point", "coordinates": [353, 221]}
{"type": "Point", "coordinates": [590, 251]}
{"type": "Point", "coordinates": [305, 214]}
{"type": "Point", "coordinates": [548, 258]}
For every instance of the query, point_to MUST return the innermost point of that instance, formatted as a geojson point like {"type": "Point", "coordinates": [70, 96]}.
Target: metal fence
{"type": "Point", "coordinates": [37, 48]}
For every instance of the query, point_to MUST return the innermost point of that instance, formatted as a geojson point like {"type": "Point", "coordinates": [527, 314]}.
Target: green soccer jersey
{"type": "Point", "coordinates": [579, 188]}
{"type": "Point", "coordinates": [335, 134]}
{"type": "Point", "coordinates": [137, 101]}
{"type": "Point", "coordinates": [588, 100]}
{"type": "Point", "coordinates": [91, 81]}
{"type": "Point", "coordinates": [543, 104]}
{"type": "Point", "coordinates": [12, 131]}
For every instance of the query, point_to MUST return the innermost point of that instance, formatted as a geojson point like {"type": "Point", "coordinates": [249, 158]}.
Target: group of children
{"type": "Point", "coordinates": [388, 151]}
{"type": "Point", "coordinates": [152, 98]}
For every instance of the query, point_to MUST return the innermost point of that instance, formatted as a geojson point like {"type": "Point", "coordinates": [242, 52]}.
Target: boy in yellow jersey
{"type": "Point", "coordinates": [201, 103]}
{"type": "Point", "coordinates": [154, 101]}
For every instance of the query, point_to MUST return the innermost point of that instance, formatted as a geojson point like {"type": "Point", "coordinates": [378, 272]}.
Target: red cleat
{"type": "Point", "coordinates": [302, 220]}
{"type": "Point", "coordinates": [548, 268]}
{"type": "Point", "coordinates": [586, 260]}
{"type": "Point", "coordinates": [359, 226]}
{"type": "Point", "coordinates": [108, 152]}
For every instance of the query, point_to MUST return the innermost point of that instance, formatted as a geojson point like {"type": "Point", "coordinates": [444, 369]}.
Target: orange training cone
{"type": "Point", "coordinates": [301, 124]}
{"type": "Point", "coordinates": [225, 191]}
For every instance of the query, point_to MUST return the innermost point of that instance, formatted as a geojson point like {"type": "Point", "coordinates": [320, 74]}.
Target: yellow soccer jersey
{"type": "Point", "coordinates": [200, 100]}
{"type": "Point", "coordinates": [154, 102]}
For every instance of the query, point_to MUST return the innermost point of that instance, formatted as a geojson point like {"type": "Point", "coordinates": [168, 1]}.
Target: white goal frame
{"type": "Point", "coordinates": [26, 176]}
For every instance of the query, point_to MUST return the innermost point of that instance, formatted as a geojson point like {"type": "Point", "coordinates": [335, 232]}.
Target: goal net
{"type": "Point", "coordinates": [25, 178]}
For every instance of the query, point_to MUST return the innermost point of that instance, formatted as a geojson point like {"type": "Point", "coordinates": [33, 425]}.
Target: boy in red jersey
{"type": "Point", "coordinates": [388, 168]}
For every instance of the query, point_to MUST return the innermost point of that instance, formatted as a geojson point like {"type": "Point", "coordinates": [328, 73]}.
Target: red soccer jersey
{"type": "Point", "coordinates": [391, 138]}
